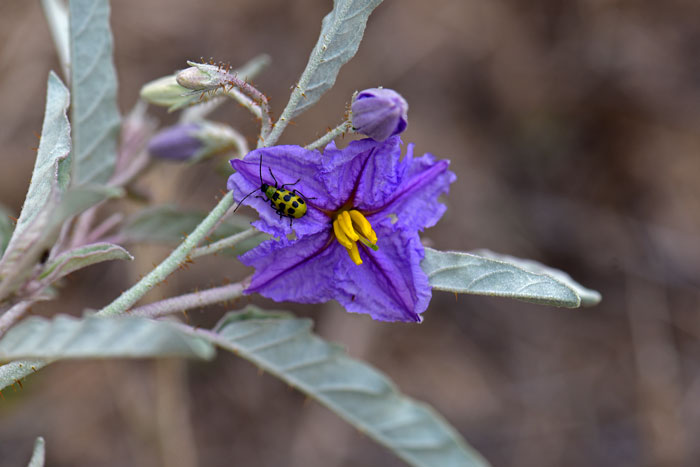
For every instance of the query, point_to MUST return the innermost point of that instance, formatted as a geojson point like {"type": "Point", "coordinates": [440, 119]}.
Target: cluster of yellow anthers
{"type": "Point", "coordinates": [350, 227]}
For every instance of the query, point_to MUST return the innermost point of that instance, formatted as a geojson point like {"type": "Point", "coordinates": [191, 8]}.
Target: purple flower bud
{"type": "Point", "coordinates": [379, 113]}
{"type": "Point", "coordinates": [195, 141]}
{"type": "Point", "coordinates": [176, 143]}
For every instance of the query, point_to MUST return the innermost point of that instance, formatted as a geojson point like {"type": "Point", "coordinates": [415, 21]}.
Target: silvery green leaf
{"type": "Point", "coordinates": [38, 454]}
{"type": "Point", "coordinates": [499, 277]}
{"type": "Point", "coordinates": [51, 166]}
{"type": "Point", "coordinates": [56, 13]}
{"type": "Point", "coordinates": [364, 397]}
{"type": "Point", "coordinates": [7, 226]}
{"type": "Point", "coordinates": [11, 373]}
{"type": "Point", "coordinates": [94, 112]}
{"type": "Point", "coordinates": [81, 257]}
{"type": "Point", "coordinates": [50, 178]}
{"type": "Point", "coordinates": [17, 264]}
{"type": "Point", "coordinates": [341, 32]}
{"type": "Point", "coordinates": [66, 337]}
{"type": "Point", "coordinates": [589, 297]}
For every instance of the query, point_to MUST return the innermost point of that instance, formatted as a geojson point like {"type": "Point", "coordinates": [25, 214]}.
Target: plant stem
{"type": "Point", "coordinates": [170, 264]}
{"type": "Point", "coordinates": [11, 316]}
{"type": "Point", "coordinates": [192, 300]}
{"type": "Point", "coordinates": [330, 135]}
{"type": "Point", "coordinates": [224, 243]}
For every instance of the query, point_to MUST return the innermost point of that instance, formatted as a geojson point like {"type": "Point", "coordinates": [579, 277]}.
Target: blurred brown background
{"type": "Point", "coordinates": [573, 129]}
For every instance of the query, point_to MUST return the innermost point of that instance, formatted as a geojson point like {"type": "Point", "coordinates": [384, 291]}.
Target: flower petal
{"type": "Point", "coordinates": [414, 201]}
{"type": "Point", "coordinates": [301, 272]}
{"type": "Point", "coordinates": [288, 164]}
{"type": "Point", "coordinates": [381, 172]}
{"type": "Point", "coordinates": [389, 285]}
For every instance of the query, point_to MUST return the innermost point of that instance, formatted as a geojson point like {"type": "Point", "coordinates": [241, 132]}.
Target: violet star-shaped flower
{"type": "Point", "coordinates": [358, 242]}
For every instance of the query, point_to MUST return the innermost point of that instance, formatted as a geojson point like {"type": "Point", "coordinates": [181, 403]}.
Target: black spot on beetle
{"type": "Point", "coordinates": [290, 211]}
{"type": "Point", "coordinates": [295, 204]}
{"type": "Point", "coordinates": [301, 201]}
{"type": "Point", "coordinates": [276, 195]}
{"type": "Point", "coordinates": [287, 197]}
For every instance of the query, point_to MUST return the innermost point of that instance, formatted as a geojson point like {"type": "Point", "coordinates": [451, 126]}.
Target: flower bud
{"type": "Point", "coordinates": [192, 142]}
{"type": "Point", "coordinates": [379, 113]}
{"type": "Point", "coordinates": [165, 92]}
{"type": "Point", "coordinates": [201, 77]}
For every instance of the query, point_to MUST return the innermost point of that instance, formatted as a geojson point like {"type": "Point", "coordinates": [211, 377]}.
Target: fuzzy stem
{"type": "Point", "coordinates": [170, 264]}
{"type": "Point", "coordinates": [231, 82]}
{"type": "Point", "coordinates": [344, 127]}
{"type": "Point", "coordinates": [224, 243]}
{"type": "Point", "coordinates": [11, 316]}
{"type": "Point", "coordinates": [192, 300]}
{"type": "Point", "coordinates": [104, 227]}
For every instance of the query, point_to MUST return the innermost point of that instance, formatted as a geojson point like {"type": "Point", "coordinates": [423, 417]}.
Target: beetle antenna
{"type": "Point", "coordinates": [261, 182]}
{"type": "Point", "coordinates": [244, 198]}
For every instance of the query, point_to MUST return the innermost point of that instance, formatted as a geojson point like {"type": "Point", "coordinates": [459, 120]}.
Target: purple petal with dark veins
{"type": "Point", "coordinates": [415, 201]}
{"type": "Point", "coordinates": [389, 285]}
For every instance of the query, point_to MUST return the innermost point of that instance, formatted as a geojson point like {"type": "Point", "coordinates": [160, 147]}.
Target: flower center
{"type": "Point", "coordinates": [349, 228]}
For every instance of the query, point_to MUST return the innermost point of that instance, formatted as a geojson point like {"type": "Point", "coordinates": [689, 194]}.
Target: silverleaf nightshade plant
{"type": "Point", "coordinates": [358, 242]}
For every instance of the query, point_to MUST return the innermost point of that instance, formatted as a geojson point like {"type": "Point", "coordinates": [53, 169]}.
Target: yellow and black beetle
{"type": "Point", "coordinates": [286, 203]}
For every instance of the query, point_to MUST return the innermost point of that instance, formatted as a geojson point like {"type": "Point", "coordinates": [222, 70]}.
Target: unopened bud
{"type": "Point", "coordinates": [165, 92]}
{"type": "Point", "coordinates": [192, 142]}
{"type": "Point", "coordinates": [379, 113]}
{"type": "Point", "coordinates": [201, 77]}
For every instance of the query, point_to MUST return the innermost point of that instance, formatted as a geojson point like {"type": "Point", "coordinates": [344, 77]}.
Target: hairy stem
{"type": "Point", "coordinates": [170, 264]}
{"type": "Point", "coordinates": [343, 128]}
{"type": "Point", "coordinates": [105, 226]}
{"type": "Point", "coordinates": [192, 300]}
{"type": "Point", "coordinates": [11, 316]}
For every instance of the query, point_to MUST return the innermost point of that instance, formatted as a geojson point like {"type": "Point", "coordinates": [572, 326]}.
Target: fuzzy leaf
{"type": "Point", "coordinates": [49, 181]}
{"type": "Point", "coordinates": [38, 454]}
{"type": "Point", "coordinates": [341, 32]}
{"type": "Point", "coordinates": [7, 226]}
{"type": "Point", "coordinates": [16, 265]}
{"type": "Point", "coordinates": [502, 276]}
{"type": "Point", "coordinates": [12, 372]}
{"type": "Point", "coordinates": [94, 112]}
{"type": "Point", "coordinates": [66, 337]}
{"type": "Point", "coordinates": [360, 394]}
{"type": "Point", "coordinates": [82, 257]}
{"type": "Point", "coordinates": [589, 297]}
{"type": "Point", "coordinates": [56, 12]}
{"type": "Point", "coordinates": [50, 169]}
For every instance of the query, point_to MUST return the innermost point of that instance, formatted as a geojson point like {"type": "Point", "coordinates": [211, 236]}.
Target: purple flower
{"type": "Point", "coordinates": [379, 113]}
{"type": "Point", "coordinates": [358, 242]}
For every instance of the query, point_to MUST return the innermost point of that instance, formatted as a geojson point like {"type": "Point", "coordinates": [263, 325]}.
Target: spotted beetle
{"type": "Point", "coordinates": [286, 203]}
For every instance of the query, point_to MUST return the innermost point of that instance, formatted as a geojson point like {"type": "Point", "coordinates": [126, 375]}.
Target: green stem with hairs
{"type": "Point", "coordinates": [170, 264]}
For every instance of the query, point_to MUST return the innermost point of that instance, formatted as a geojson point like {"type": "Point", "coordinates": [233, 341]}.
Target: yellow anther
{"type": "Point", "coordinates": [363, 224]}
{"type": "Point", "coordinates": [346, 225]}
{"type": "Point", "coordinates": [351, 227]}
{"type": "Point", "coordinates": [342, 238]}
{"type": "Point", "coordinates": [355, 254]}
